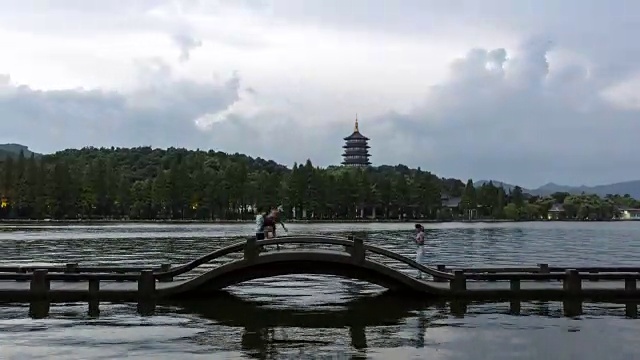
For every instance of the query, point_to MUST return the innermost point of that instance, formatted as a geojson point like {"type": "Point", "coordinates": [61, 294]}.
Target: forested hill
{"type": "Point", "coordinates": [146, 183]}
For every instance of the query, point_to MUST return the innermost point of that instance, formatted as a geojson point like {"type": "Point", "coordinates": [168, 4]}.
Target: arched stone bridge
{"type": "Point", "coordinates": [350, 258]}
{"type": "Point", "coordinates": [350, 262]}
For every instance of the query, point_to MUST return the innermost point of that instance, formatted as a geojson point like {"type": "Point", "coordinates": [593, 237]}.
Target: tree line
{"type": "Point", "coordinates": [179, 184]}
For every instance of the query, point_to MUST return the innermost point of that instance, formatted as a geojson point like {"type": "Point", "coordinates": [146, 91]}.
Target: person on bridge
{"type": "Point", "coordinates": [272, 220]}
{"type": "Point", "coordinates": [269, 224]}
{"type": "Point", "coordinates": [420, 243]}
{"type": "Point", "coordinates": [260, 215]}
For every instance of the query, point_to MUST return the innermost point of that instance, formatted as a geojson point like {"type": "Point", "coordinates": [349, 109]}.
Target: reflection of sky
{"type": "Point", "coordinates": [504, 337]}
{"type": "Point", "coordinates": [497, 337]}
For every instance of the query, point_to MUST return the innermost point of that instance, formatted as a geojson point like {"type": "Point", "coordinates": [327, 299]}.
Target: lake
{"type": "Point", "coordinates": [311, 316]}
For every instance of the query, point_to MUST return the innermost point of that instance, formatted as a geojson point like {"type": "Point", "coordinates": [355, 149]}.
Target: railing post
{"type": "Point", "coordinates": [251, 248]}
{"type": "Point", "coordinates": [514, 285]}
{"type": "Point", "coordinates": [544, 269]}
{"type": "Point", "coordinates": [441, 268]}
{"type": "Point", "coordinates": [514, 304]}
{"type": "Point", "coordinates": [349, 248]}
{"type": "Point", "coordinates": [22, 270]}
{"type": "Point", "coordinates": [572, 282]}
{"type": "Point", "coordinates": [94, 289]}
{"type": "Point", "coordinates": [593, 273]}
{"type": "Point", "coordinates": [631, 307]}
{"type": "Point", "coordinates": [357, 252]}
{"type": "Point", "coordinates": [39, 286]}
{"type": "Point", "coordinates": [94, 297]}
{"type": "Point", "coordinates": [146, 286]}
{"type": "Point", "coordinates": [630, 285]}
{"type": "Point", "coordinates": [459, 281]}
{"type": "Point", "coordinates": [71, 268]}
{"type": "Point", "coordinates": [163, 269]}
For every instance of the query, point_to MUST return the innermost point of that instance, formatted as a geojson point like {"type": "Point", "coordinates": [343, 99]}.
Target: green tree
{"type": "Point", "coordinates": [517, 196]}
{"type": "Point", "coordinates": [469, 202]}
{"type": "Point", "coordinates": [512, 212]}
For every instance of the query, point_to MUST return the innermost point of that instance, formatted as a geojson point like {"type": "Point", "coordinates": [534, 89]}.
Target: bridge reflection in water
{"type": "Point", "coordinates": [266, 328]}
{"type": "Point", "coordinates": [266, 331]}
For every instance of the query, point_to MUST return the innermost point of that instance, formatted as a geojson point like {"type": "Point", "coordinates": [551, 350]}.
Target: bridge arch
{"type": "Point", "coordinates": [308, 261]}
{"type": "Point", "coordinates": [348, 244]}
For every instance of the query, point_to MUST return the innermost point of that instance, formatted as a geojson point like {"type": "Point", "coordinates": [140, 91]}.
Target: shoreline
{"type": "Point", "coordinates": [292, 221]}
{"type": "Point", "coordinates": [229, 222]}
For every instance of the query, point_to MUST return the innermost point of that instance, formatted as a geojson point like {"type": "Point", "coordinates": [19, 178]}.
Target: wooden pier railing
{"type": "Point", "coordinates": [463, 282]}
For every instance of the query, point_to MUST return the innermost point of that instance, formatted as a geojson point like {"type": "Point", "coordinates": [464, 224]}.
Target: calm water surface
{"type": "Point", "coordinates": [310, 316]}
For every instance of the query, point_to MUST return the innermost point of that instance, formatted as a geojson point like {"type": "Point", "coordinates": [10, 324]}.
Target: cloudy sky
{"type": "Point", "coordinates": [522, 91]}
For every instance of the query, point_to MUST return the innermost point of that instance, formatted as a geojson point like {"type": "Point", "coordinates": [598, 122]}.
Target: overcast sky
{"type": "Point", "coordinates": [521, 91]}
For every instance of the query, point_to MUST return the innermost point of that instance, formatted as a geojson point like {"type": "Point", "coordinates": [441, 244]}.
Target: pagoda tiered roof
{"type": "Point", "coordinates": [356, 148]}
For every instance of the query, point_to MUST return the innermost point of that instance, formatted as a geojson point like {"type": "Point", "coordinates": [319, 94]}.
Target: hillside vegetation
{"type": "Point", "coordinates": [146, 183]}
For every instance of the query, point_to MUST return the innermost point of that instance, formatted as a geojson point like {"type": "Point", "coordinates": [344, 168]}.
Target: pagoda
{"type": "Point", "coordinates": [356, 150]}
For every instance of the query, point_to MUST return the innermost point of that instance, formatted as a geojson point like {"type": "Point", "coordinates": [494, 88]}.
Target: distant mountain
{"type": "Point", "coordinates": [628, 187]}
{"type": "Point", "coordinates": [13, 150]}
{"type": "Point", "coordinates": [551, 188]}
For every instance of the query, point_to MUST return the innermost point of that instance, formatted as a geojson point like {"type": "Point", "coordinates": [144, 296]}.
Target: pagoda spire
{"type": "Point", "coordinates": [355, 128]}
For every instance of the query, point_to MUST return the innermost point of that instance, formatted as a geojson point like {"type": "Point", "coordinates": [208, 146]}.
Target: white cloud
{"type": "Point", "coordinates": [535, 100]}
{"type": "Point", "coordinates": [159, 113]}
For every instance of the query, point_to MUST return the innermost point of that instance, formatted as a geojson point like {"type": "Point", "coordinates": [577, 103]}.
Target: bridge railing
{"type": "Point", "coordinates": [76, 268]}
{"type": "Point", "coordinates": [541, 268]}
{"type": "Point", "coordinates": [572, 279]}
{"type": "Point", "coordinates": [355, 246]}
{"type": "Point", "coordinates": [250, 247]}
{"type": "Point", "coordinates": [73, 272]}
{"type": "Point", "coordinates": [541, 273]}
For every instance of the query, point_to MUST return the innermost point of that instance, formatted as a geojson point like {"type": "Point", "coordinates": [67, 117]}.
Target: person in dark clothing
{"type": "Point", "coordinates": [275, 219]}
{"type": "Point", "coordinates": [270, 221]}
{"type": "Point", "coordinates": [269, 224]}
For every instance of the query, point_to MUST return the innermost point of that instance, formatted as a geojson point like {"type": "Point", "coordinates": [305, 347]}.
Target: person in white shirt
{"type": "Point", "coordinates": [260, 225]}
{"type": "Point", "coordinates": [420, 243]}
